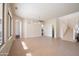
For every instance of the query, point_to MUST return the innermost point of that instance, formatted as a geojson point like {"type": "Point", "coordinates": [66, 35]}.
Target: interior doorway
{"type": "Point", "coordinates": [17, 29]}
{"type": "Point", "coordinates": [52, 31]}
{"type": "Point", "coordinates": [77, 33]}
{"type": "Point", "coordinates": [42, 30]}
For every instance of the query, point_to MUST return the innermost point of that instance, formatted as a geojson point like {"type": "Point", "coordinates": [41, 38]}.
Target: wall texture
{"type": "Point", "coordinates": [31, 29]}
{"type": "Point", "coordinates": [49, 24]}
{"type": "Point", "coordinates": [17, 27]}
{"type": "Point", "coordinates": [68, 21]}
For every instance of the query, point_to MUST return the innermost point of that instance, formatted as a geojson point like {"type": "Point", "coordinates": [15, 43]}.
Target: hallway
{"type": "Point", "coordinates": [43, 46]}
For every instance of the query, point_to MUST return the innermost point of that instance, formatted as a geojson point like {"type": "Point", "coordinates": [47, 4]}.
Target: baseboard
{"type": "Point", "coordinates": [70, 40]}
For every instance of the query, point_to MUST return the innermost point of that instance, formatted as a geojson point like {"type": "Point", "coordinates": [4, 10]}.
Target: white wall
{"type": "Point", "coordinates": [48, 30]}
{"type": "Point", "coordinates": [31, 29]}
{"type": "Point", "coordinates": [24, 28]}
{"type": "Point", "coordinates": [60, 26]}
{"type": "Point", "coordinates": [48, 27]}
{"type": "Point", "coordinates": [70, 20]}
{"type": "Point", "coordinates": [17, 27]}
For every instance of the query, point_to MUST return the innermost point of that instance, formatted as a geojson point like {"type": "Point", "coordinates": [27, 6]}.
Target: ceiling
{"type": "Point", "coordinates": [43, 11]}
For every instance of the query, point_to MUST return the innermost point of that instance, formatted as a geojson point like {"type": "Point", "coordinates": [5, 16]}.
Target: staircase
{"type": "Point", "coordinates": [68, 35]}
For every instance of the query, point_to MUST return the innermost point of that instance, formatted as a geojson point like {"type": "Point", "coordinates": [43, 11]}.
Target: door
{"type": "Point", "coordinates": [52, 32]}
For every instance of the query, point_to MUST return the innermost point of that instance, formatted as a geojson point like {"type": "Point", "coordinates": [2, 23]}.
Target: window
{"type": "Point", "coordinates": [9, 25]}
{"type": "Point", "coordinates": [1, 24]}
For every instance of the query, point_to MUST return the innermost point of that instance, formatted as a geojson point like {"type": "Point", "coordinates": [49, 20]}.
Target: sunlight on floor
{"type": "Point", "coordinates": [24, 45]}
{"type": "Point", "coordinates": [25, 48]}
{"type": "Point", "coordinates": [28, 54]}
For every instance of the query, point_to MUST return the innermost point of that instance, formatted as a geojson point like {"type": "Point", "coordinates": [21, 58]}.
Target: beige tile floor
{"type": "Point", "coordinates": [44, 46]}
